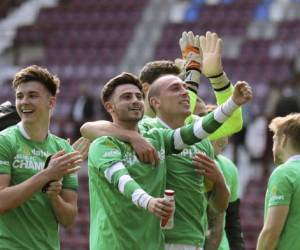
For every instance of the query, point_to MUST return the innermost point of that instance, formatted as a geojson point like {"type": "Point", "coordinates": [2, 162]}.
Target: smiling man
{"type": "Point", "coordinates": [29, 218]}
{"type": "Point", "coordinates": [123, 190]}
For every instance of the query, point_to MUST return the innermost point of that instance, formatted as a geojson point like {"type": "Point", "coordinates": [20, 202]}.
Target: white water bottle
{"type": "Point", "coordinates": [169, 222]}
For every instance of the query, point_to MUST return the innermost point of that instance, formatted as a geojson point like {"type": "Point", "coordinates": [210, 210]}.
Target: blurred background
{"type": "Point", "coordinates": [87, 42]}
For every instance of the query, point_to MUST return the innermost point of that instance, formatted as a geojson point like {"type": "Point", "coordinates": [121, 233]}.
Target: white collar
{"type": "Point", "coordinates": [23, 131]}
{"type": "Point", "coordinates": [293, 158]}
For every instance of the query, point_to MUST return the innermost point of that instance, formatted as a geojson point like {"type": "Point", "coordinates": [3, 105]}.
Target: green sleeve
{"type": "Point", "coordinates": [234, 123]}
{"type": "Point", "coordinates": [5, 155]}
{"type": "Point", "coordinates": [70, 181]}
{"type": "Point", "coordinates": [104, 153]}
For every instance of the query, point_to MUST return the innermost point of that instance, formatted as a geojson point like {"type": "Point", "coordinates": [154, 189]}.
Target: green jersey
{"type": "Point", "coordinates": [32, 225]}
{"type": "Point", "coordinates": [230, 173]}
{"type": "Point", "coordinates": [190, 201]}
{"type": "Point", "coordinates": [284, 190]}
{"type": "Point", "coordinates": [120, 185]}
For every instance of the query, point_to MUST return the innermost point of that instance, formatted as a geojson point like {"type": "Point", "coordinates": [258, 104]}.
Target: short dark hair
{"type": "Point", "coordinates": [153, 70]}
{"type": "Point", "coordinates": [39, 74]}
{"type": "Point", "coordinates": [124, 78]}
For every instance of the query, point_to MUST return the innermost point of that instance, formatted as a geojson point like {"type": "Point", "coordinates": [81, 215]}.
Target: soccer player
{"type": "Point", "coordinates": [282, 201]}
{"type": "Point", "coordinates": [29, 218]}
{"type": "Point", "coordinates": [121, 187]}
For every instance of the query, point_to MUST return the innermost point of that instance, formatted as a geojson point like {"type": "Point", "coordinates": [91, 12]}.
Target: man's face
{"type": "Point", "coordinates": [127, 103]}
{"type": "Point", "coordinates": [173, 98]}
{"type": "Point", "coordinates": [277, 149]}
{"type": "Point", "coordinates": [33, 102]}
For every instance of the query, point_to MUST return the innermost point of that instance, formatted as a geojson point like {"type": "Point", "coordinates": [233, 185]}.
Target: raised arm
{"type": "Point", "coordinates": [202, 128]}
{"type": "Point", "coordinates": [212, 68]}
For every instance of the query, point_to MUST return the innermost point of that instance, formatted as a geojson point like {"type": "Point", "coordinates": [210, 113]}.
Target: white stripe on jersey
{"type": "Point", "coordinates": [178, 142]}
{"type": "Point", "coordinates": [198, 130]}
{"type": "Point", "coordinates": [140, 198]}
{"type": "Point", "coordinates": [109, 172]}
{"type": "Point", "coordinates": [123, 181]}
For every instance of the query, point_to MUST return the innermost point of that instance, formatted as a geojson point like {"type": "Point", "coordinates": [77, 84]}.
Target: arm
{"type": "Point", "coordinates": [59, 165]}
{"type": "Point", "coordinates": [144, 150]}
{"type": "Point", "coordinates": [274, 223]}
{"type": "Point", "coordinates": [233, 226]}
{"type": "Point", "coordinates": [219, 196]}
{"type": "Point", "coordinates": [215, 229]}
{"type": "Point", "coordinates": [212, 68]}
{"type": "Point", "coordinates": [106, 157]}
{"type": "Point", "coordinates": [194, 133]}
{"type": "Point", "coordinates": [64, 203]}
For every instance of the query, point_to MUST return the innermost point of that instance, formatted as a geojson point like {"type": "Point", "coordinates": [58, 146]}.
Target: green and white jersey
{"type": "Point", "coordinates": [284, 190]}
{"type": "Point", "coordinates": [120, 185]}
{"type": "Point", "coordinates": [33, 225]}
{"type": "Point", "coordinates": [190, 198]}
{"type": "Point", "coordinates": [229, 127]}
{"type": "Point", "coordinates": [231, 176]}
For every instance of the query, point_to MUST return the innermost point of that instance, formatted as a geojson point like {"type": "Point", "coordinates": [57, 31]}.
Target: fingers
{"type": "Point", "coordinates": [73, 170]}
{"type": "Point", "coordinates": [203, 43]}
{"type": "Point", "coordinates": [153, 158]}
{"type": "Point", "coordinates": [163, 209]}
{"type": "Point", "coordinates": [54, 188]}
{"type": "Point", "coordinates": [219, 46]}
{"type": "Point", "coordinates": [244, 89]}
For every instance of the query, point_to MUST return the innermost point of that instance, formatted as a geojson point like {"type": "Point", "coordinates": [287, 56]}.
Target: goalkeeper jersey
{"type": "Point", "coordinates": [116, 220]}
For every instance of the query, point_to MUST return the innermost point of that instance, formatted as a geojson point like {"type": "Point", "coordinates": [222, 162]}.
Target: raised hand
{"type": "Point", "coordinates": [212, 49]}
{"type": "Point", "coordinates": [62, 164]}
{"type": "Point", "coordinates": [242, 93]}
{"type": "Point", "coordinates": [191, 51]}
{"type": "Point", "coordinates": [82, 146]}
{"type": "Point", "coordinates": [160, 207]}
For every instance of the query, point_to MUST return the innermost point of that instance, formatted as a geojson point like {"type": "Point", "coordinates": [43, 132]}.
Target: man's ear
{"type": "Point", "coordinates": [154, 102]}
{"type": "Point", "coordinates": [146, 87]}
{"type": "Point", "coordinates": [108, 106]}
{"type": "Point", "coordinates": [52, 101]}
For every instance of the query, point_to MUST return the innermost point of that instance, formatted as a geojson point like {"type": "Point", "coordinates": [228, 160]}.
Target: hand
{"type": "Point", "coordinates": [212, 49]}
{"type": "Point", "coordinates": [242, 93]}
{"type": "Point", "coordinates": [54, 188]}
{"type": "Point", "coordinates": [160, 207]}
{"type": "Point", "coordinates": [191, 51]}
{"type": "Point", "coordinates": [144, 150]}
{"type": "Point", "coordinates": [208, 168]}
{"type": "Point", "coordinates": [82, 146]}
{"type": "Point", "coordinates": [62, 164]}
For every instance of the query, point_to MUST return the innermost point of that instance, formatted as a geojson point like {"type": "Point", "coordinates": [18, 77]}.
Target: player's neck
{"type": "Point", "coordinates": [129, 125]}
{"type": "Point", "coordinates": [36, 131]}
{"type": "Point", "coordinates": [172, 121]}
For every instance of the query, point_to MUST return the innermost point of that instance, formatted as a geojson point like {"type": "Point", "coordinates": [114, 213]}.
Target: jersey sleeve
{"type": "Point", "coordinates": [202, 128]}
{"type": "Point", "coordinates": [106, 156]}
{"type": "Point", "coordinates": [234, 189]}
{"type": "Point", "coordinates": [280, 188]}
{"type": "Point", "coordinates": [70, 181]}
{"type": "Point", "coordinates": [234, 123]}
{"type": "Point", "coordinates": [5, 155]}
